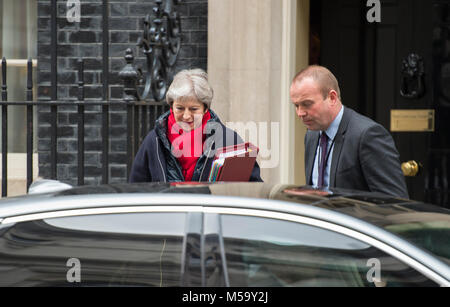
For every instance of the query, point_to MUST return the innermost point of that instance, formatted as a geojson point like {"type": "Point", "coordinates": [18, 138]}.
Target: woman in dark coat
{"type": "Point", "coordinates": [183, 144]}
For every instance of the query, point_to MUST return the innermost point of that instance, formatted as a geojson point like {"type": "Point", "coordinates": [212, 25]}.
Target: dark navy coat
{"type": "Point", "coordinates": [154, 162]}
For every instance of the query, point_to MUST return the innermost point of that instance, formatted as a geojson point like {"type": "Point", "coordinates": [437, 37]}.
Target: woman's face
{"type": "Point", "coordinates": [188, 113]}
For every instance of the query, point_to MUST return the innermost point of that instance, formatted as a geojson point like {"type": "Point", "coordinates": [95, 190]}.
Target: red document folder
{"type": "Point", "coordinates": [238, 162]}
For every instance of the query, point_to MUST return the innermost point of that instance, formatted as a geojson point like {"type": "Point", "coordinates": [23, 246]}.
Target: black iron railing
{"type": "Point", "coordinates": [160, 43]}
{"type": "Point", "coordinates": [141, 116]}
{"type": "Point", "coordinates": [29, 128]}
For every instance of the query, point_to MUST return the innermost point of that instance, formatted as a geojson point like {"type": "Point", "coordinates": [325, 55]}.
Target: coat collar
{"type": "Point", "coordinates": [312, 142]}
{"type": "Point", "coordinates": [338, 144]}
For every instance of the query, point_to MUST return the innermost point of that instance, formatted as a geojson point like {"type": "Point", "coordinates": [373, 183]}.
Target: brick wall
{"type": "Point", "coordinates": [84, 40]}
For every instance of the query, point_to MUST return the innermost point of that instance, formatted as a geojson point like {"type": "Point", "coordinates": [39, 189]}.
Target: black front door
{"type": "Point", "coordinates": [371, 61]}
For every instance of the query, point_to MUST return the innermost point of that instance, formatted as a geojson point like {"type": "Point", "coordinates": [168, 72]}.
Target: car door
{"type": "Point", "coordinates": [127, 249]}
{"type": "Point", "coordinates": [262, 251]}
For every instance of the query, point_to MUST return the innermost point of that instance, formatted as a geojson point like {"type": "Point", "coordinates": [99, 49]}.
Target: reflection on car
{"type": "Point", "coordinates": [222, 234]}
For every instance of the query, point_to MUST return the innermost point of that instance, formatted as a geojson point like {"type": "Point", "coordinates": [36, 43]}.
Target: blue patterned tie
{"type": "Point", "coordinates": [323, 157]}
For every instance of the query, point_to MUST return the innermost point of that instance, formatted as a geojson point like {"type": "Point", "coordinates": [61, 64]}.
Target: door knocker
{"type": "Point", "coordinates": [412, 85]}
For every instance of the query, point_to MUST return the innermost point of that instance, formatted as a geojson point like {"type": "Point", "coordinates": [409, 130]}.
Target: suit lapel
{"type": "Point", "coordinates": [312, 141]}
{"type": "Point", "coordinates": [338, 144]}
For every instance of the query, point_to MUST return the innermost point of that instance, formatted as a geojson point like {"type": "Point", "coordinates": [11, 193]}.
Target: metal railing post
{"type": "Point", "coordinates": [54, 88]}
{"type": "Point", "coordinates": [105, 107]}
{"type": "Point", "coordinates": [130, 75]}
{"type": "Point", "coordinates": [4, 132]}
{"type": "Point", "coordinates": [30, 123]}
{"type": "Point", "coordinates": [80, 170]}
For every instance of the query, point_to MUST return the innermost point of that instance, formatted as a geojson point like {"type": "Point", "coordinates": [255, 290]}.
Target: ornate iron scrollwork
{"type": "Point", "coordinates": [413, 71]}
{"type": "Point", "coordinates": [160, 43]}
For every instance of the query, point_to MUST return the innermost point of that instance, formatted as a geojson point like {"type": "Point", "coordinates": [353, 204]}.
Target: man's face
{"type": "Point", "coordinates": [310, 106]}
{"type": "Point", "coordinates": [188, 114]}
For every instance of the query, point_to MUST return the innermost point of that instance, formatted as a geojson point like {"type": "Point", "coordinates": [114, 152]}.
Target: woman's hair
{"type": "Point", "coordinates": [190, 84]}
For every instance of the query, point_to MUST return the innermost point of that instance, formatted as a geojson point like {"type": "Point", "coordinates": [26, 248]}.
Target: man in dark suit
{"type": "Point", "coordinates": [343, 148]}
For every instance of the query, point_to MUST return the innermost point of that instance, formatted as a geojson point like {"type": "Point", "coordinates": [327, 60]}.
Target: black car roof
{"type": "Point", "coordinates": [376, 208]}
{"type": "Point", "coordinates": [359, 204]}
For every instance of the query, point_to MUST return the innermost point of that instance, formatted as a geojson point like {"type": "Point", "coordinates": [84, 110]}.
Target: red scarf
{"type": "Point", "coordinates": [187, 147]}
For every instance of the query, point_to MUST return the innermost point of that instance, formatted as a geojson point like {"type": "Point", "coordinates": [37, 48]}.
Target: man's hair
{"type": "Point", "coordinates": [190, 84]}
{"type": "Point", "coordinates": [322, 76]}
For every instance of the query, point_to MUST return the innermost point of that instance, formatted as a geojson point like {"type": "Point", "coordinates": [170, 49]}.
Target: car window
{"type": "Point", "coordinates": [132, 223]}
{"type": "Point", "coordinates": [143, 249]}
{"type": "Point", "coordinates": [432, 235]}
{"type": "Point", "coordinates": [269, 252]}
